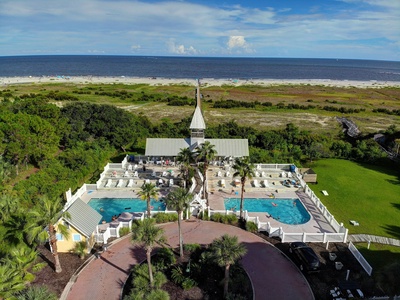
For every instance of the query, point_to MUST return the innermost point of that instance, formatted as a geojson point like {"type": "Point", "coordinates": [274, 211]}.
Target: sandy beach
{"type": "Point", "coordinates": [4, 81]}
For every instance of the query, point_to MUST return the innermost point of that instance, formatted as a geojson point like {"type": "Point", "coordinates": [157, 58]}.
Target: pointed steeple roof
{"type": "Point", "coordinates": [198, 120]}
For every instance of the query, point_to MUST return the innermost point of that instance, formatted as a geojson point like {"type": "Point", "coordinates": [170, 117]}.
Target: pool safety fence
{"type": "Point", "coordinates": [286, 237]}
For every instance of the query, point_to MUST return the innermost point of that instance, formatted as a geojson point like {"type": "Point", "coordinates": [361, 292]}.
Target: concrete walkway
{"type": "Point", "coordinates": [272, 274]}
{"type": "Point", "coordinates": [359, 238]}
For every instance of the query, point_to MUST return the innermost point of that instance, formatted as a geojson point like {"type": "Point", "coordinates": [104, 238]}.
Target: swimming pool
{"type": "Point", "coordinates": [109, 207]}
{"type": "Point", "coordinates": [288, 211]}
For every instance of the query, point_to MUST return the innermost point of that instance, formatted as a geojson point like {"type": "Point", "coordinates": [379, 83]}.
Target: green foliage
{"type": "Point", "coordinates": [164, 258]}
{"type": "Point", "coordinates": [36, 293]}
{"type": "Point", "coordinates": [204, 215]}
{"type": "Point", "coordinates": [141, 283]}
{"type": "Point", "coordinates": [251, 226]}
{"type": "Point", "coordinates": [191, 247]}
{"type": "Point", "coordinates": [80, 249]}
{"type": "Point", "coordinates": [124, 231]}
{"type": "Point", "coordinates": [165, 218]}
{"type": "Point", "coordinates": [179, 277]}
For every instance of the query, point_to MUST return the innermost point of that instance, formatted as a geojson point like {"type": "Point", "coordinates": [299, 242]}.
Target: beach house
{"type": "Point", "coordinates": [81, 226]}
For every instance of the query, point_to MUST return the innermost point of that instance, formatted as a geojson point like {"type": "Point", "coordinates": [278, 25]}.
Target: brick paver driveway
{"type": "Point", "coordinates": [273, 276]}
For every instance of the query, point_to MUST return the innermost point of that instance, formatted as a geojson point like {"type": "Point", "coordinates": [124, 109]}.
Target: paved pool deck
{"type": "Point", "coordinates": [272, 274]}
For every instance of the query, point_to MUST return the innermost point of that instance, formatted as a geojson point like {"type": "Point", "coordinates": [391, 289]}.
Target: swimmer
{"type": "Point", "coordinates": [274, 204]}
{"type": "Point", "coordinates": [101, 209]}
{"type": "Point", "coordinates": [294, 203]}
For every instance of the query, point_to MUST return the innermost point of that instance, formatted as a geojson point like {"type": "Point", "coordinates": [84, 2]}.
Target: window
{"type": "Point", "coordinates": [59, 237]}
{"type": "Point", "coordinates": [66, 224]}
{"type": "Point", "coordinates": [76, 237]}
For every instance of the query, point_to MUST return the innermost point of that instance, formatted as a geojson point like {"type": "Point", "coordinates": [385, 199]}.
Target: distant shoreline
{"type": "Point", "coordinates": [4, 81]}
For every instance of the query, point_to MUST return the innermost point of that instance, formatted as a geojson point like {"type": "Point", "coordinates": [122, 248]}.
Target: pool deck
{"type": "Point", "coordinates": [217, 192]}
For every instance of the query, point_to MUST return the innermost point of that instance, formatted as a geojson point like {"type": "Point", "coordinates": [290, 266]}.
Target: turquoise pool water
{"type": "Point", "coordinates": [109, 207]}
{"type": "Point", "coordinates": [288, 211]}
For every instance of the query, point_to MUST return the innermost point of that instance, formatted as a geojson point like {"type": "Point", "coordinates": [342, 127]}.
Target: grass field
{"type": "Point", "coordinates": [366, 193]}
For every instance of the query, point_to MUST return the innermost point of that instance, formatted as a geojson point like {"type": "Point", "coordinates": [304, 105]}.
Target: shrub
{"type": "Point", "coordinates": [124, 231]}
{"type": "Point", "coordinates": [164, 218]}
{"type": "Point", "coordinates": [164, 259]}
{"type": "Point", "coordinates": [231, 219]}
{"type": "Point", "coordinates": [252, 227]}
{"type": "Point", "coordinates": [191, 247]}
{"type": "Point", "coordinates": [218, 217]}
{"type": "Point", "coordinates": [80, 249]}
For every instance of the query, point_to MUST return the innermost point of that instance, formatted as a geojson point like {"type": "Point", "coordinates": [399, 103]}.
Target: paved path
{"type": "Point", "coordinates": [357, 238]}
{"type": "Point", "coordinates": [272, 274]}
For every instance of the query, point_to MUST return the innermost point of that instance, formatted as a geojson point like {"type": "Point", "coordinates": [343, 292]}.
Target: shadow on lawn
{"type": "Point", "coordinates": [385, 166]}
{"type": "Point", "coordinates": [392, 230]}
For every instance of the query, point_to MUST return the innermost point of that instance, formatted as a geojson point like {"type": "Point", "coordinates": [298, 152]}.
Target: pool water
{"type": "Point", "coordinates": [288, 211]}
{"type": "Point", "coordinates": [109, 207]}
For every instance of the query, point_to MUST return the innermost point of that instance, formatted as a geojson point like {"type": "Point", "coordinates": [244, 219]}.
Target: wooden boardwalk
{"type": "Point", "coordinates": [357, 238]}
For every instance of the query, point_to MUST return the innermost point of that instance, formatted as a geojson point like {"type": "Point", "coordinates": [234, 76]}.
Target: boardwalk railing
{"type": "Point", "coordinates": [363, 262]}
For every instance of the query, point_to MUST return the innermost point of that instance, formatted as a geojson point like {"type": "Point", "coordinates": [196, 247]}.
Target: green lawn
{"type": "Point", "coordinates": [366, 193]}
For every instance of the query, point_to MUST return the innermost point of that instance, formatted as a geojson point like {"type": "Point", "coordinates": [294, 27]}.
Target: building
{"type": "Point", "coordinates": [169, 148]}
{"type": "Point", "coordinates": [81, 225]}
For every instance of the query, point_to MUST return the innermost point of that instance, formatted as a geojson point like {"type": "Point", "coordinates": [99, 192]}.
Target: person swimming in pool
{"type": "Point", "coordinates": [274, 204]}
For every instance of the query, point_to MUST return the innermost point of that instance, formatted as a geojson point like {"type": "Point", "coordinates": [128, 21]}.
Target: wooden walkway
{"type": "Point", "coordinates": [358, 238]}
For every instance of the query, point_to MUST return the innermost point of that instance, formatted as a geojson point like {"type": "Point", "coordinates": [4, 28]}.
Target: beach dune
{"type": "Point", "coordinates": [4, 81]}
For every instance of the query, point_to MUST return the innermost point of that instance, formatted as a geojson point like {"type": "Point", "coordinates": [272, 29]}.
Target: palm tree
{"type": "Point", "coordinates": [148, 191]}
{"type": "Point", "coordinates": [244, 169]}
{"type": "Point", "coordinates": [146, 233]}
{"type": "Point", "coordinates": [11, 280]}
{"type": "Point", "coordinates": [225, 251]}
{"type": "Point", "coordinates": [179, 200]}
{"type": "Point", "coordinates": [41, 221]}
{"type": "Point", "coordinates": [205, 153]}
{"type": "Point", "coordinates": [185, 158]}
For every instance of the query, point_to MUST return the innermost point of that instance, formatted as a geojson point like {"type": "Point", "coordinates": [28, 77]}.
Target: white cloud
{"type": "Point", "coordinates": [180, 49]}
{"type": "Point", "coordinates": [237, 41]}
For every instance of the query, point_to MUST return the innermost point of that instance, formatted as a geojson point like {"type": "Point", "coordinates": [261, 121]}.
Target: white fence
{"type": "Point", "coordinates": [363, 262]}
{"type": "Point", "coordinates": [286, 237]}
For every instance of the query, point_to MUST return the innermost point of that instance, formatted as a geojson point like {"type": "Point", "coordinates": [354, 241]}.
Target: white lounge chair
{"type": "Point", "coordinates": [171, 182]}
{"type": "Point", "coordinates": [147, 181]}
{"type": "Point", "coordinates": [283, 174]}
{"type": "Point", "coordinates": [129, 167]}
{"type": "Point", "coordinates": [266, 184]}
{"type": "Point", "coordinates": [160, 182]}
{"type": "Point", "coordinates": [289, 175]}
{"type": "Point", "coordinates": [228, 174]}
{"type": "Point", "coordinates": [130, 183]}
{"type": "Point", "coordinates": [222, 183]}
{"type": "Point", "coordinates": [126, 174]}
{"type": "Point", "coordinates": [255, 183]}
{"type": "Point", "coordinates": [325, 193]}
{"type": "Point", "coordinates": [136, 174]}
{"type": "Point", "coordinates": [257, 174]}
{"type": "Point", "coordinates": [108, 183]}
{"type": "Point", "coordinates": [258, 167]}
{"type": "Point", "coordinates": [219, 174]}
{"type": "Point", "coordinates": [172, 173]}
{"type": "Point", "coordinates": [354, 223]}
{"type": "Point", "coordinates": [154, 174]}
{"type": "Point", "coordinates": [263, 174]}
{"type": "Point", "coordinates": [120, 183]}
{"type": "Point", "coordinates": [165, 174]}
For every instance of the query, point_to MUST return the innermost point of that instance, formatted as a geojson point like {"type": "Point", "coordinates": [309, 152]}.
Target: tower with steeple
{"type": "Point", "coordinates": [197, 126]}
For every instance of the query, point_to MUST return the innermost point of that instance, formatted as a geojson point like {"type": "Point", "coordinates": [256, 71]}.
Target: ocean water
{"type": "Point", "coordinates": [200, 67]}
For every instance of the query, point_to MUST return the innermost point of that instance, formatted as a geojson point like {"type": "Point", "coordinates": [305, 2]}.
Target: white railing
{"type": "Point", "coordinates": [363, 262]}
{"type": "Point", "coordinates": [193, 186]}
{"type": "Point", "coordinates": [322, 208]}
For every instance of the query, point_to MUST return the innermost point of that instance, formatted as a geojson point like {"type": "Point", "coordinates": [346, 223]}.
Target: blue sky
{"type": "Point", "coordinates": [360, 29]}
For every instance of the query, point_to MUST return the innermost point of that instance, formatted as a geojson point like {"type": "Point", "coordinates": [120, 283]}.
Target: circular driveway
{"type": "Point", "coordinates": [272, 274]}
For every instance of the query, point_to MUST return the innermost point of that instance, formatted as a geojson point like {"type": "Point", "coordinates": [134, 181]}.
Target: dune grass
{"type": "Point", "coordinates": [366, 193]}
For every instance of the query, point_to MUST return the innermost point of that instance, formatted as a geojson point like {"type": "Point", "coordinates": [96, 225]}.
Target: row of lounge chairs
{"type": "Point", "coordinates": [125, 174]}
{"type": "Point", "coordinates": [257, 174]}
{"type": "Point", "coordinates": [256, 184]}
{"type": "Point", "coordinates": [120, 183]}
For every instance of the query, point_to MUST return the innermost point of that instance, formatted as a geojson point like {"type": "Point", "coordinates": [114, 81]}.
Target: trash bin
{"type": "Point", "coordinates": [292, 168]}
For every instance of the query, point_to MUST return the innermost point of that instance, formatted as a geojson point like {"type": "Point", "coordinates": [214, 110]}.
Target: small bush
{"type": "Point", "coordinates": [124, 231]}
{"type": "Point", "coordinates": [251, 227]}
{"type": "Point", "coordinates": [218, 217]}
{"type": "Point", "coordinates": [231, 219]}
{"type": "Point", "coordinates": [191, 247]}
{"type": "Point", "coordinates": [164, 259]}
{"type": "Point", "coordinates": [80, 249]}
{"type": "Point", "coordinates": [164, 218]}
